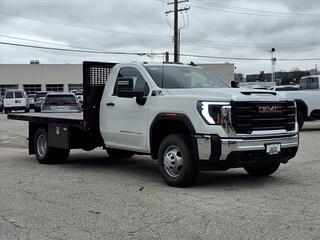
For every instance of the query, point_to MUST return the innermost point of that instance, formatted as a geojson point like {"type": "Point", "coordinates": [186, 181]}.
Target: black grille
{"type": "Point", "coordinates": [259, 116]}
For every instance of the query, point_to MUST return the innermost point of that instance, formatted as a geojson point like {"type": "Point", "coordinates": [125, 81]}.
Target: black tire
{"type": "Point", "coordinates": [117, 153]}
{"type": "Point", "coordinates": [264, 170]}
{"type": "Point", "coordinates": [27, 110]}
{"type": "Point", "coordinates": [300, 118]}
{"type": "Point", "coordinates": [5, 111]}
{"type": "Point", "coordinates": [187, 173]}
{"type": "Point", "coordinates": [48, 155]}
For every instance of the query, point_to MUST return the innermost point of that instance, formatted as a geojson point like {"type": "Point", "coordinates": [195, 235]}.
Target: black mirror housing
{"type": "Point", "coordinates": [234, 84]}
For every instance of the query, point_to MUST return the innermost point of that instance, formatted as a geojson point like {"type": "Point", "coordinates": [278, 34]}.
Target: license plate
{"type": "Point", "coordinates": [273, 149]}
{"type": "Point", "coordinates": [18, 101]}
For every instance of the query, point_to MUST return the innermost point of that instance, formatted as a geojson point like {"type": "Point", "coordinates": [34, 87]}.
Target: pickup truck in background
{"type": "Point", "coordinates": [307, 98]}
{"type": "Point", "coordinates": [181, 115]}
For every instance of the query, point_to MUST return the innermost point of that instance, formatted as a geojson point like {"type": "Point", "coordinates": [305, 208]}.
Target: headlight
{"type": "Point", "coordinates": [211, 111]}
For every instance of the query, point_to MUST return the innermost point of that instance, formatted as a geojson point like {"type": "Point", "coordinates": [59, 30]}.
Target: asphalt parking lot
{"type": "Point", "coordinates": [95, 197]}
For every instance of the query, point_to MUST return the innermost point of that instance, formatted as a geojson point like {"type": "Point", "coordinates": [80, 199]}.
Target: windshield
{"type": "Point", "coordinates": [184, 77]}
{"type": "Point", "coordinates": [60, 100]}
{"type": "Point", "coordinates": [41, 94]}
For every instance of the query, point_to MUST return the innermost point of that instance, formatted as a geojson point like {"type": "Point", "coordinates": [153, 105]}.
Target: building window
{"type": "Point", "coordinates": [3, 88]}
{"type": "Point", "coordinates": [54, 87]}
{"type": "Point", "coordinates": [32, 88]}
{"type": "Point", "coordinates": [75, 87]}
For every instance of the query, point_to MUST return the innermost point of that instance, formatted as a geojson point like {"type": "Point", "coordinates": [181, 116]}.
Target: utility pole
{"type": "Point", "coordinates": [176, 30]}
{"type": "Point", "coordinates": [273, 64]}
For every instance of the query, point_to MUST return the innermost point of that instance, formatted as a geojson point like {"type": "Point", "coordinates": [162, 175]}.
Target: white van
{"type": "Point", "coordinates": [15, 99]}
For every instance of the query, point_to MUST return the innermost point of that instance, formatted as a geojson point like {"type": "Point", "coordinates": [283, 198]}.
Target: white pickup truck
{"type": "Point", "coordinates": [181, 115]}
{"type": "Point", "coordinates": [307, 98]}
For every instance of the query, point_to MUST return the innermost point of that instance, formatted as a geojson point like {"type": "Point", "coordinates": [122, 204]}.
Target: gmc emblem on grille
{"type": "Point", "coordinates": [270, 109]}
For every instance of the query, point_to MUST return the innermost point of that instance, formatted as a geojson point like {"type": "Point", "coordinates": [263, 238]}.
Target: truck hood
{"type": "Point", "coordinates": [229, 94]}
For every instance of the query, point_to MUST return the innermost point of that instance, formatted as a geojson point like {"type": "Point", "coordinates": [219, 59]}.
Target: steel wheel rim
{"type": "Point", "coordinates": [42, 145]}
{"type": "Point", "coordinates": [173, 161]}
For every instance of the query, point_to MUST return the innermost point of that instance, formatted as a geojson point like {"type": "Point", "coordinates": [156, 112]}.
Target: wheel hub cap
{"type": "Point", "coordinates": [173, 161]}
{"type": "Point", "coordinates": [42, 145]}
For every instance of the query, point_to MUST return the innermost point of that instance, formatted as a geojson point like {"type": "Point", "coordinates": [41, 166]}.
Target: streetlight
{"type": "Point", "coordinates": [273, 64]}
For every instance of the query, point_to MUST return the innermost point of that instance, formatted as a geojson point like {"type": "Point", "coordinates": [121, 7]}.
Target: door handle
{"type": "Point", "coordinates": [110, 104]}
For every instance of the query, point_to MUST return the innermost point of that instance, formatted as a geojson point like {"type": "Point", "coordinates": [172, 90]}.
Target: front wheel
{"type": "Point", "coordinates": [177, 165]}
{"type": "Point", "coordinates": [262, 171]}
{"type": "Point", "coordinates": [46, 154]}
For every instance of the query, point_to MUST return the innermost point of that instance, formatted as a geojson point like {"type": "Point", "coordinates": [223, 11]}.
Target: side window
{"type": "Point", "coordinates": [18, 95]}
{"type": "Point", "coordinates": [310, 83]}
{"type": "Point", "coordinates": [139, 84]}
{"type": "Point", "coordinates": [9, 95]}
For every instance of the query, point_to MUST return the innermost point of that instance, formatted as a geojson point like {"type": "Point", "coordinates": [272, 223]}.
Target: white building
{"type": "Point", "coordinates": [67, 77]}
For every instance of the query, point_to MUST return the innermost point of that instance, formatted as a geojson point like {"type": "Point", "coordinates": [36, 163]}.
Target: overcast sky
{"type": "Point", "coordinates": [226, 28]}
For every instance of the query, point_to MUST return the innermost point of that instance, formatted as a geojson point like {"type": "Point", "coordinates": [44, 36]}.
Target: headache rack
{"type": "Point", "coordinates": [95, 76]}
{"type": "Point", "coordinates": [261, 116]}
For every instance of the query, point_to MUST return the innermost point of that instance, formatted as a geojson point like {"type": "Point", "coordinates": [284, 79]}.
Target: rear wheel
{"type": "Point", "coordinates": [263, 171]}
{"type": "Point", "coordinates": [117, 153]}
{"type": "Point", "coordinates": [176, 164]}
{"type": "Point", "coordinates": [46, 154]}
{"type": "Point", "coordinates": [300, 119]}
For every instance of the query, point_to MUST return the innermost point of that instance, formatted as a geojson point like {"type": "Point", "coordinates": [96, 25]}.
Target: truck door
{"type": "Point", "coordinates": [126, 124]}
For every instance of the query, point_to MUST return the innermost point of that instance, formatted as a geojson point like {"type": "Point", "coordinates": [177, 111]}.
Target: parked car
{"type": "Point", "coordinates": [15, 99]}
{"type": "Point", "coordinates": [31, 100]}
{"type": "Point", "coordinates": [1, 104]}
{"type": "Point", "coordinates": [60, 102]}
{"type": "Point", "coordinates": [40, 96]}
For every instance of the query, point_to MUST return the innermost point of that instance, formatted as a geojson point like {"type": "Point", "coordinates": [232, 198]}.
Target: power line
{"type": "Point", "coordinates": [248, 11]}
{"type": "Point", "coordinates": [79, 50]}
{"type": "Point", "coordinates": [46, 42]}
{"type": "Point", "coordinates": [155, 54]}
{"type": "Point", "coordinates": [248, 58]}
{"type": "Point", "coordinates": [210, 42]}
{"type": "Point", "coordinates": [239, 45]}
{"type": "Point", "coordinates": [83, 27]}
{"type": "Point", "coordinates": [186, 42]}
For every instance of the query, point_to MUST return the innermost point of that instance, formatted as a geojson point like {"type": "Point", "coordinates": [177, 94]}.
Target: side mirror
{"type": "Point", "coordinates": [234, 84]}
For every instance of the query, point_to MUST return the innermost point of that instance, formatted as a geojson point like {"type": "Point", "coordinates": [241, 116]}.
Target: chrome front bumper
{"type": "Point", "coordinates": [215, 148]}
